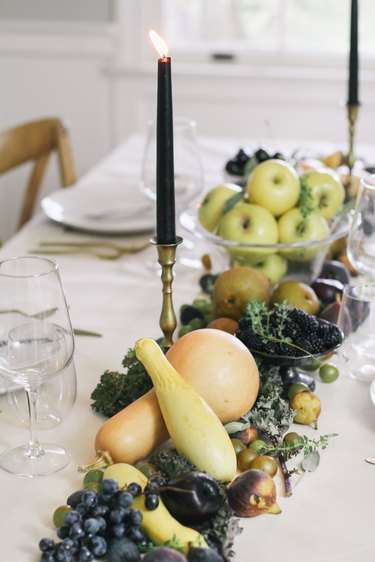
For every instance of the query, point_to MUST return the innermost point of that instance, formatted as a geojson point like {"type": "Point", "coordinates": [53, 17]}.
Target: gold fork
{"type": "Point", "coordinates": [103, 250]}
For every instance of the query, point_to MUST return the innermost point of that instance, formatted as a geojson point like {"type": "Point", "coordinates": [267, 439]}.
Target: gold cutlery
{"type": "Point", "coordinates": [103, 250]}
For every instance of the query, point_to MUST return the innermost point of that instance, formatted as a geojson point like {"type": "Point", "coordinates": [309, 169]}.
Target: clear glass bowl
{"type": "Point", "coordinates": [301, 261]}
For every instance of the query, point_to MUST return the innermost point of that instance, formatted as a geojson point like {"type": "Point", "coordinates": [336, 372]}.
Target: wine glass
{"type": "Point", "coordinates": [36, 344]}
{"type": "Point", "coordinates": [188, 174]}
{"type": "Point", "coordinates": [361, 239]}
{"type": "Point", "coordinates": [56, 397]}
{"type": "Point", "coordinates": [357, 321]}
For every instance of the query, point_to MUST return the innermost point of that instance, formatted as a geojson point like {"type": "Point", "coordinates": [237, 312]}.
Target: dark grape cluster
{"type": "Point", "coordinates": [241, 163]}
{"type": "Point", "coordinates": [298, 334]}
{"type": "Point", "coordinates": [100, 523]}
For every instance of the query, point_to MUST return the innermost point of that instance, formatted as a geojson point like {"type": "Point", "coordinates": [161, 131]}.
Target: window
{"type": "Point", "coordinates": [279, 27]}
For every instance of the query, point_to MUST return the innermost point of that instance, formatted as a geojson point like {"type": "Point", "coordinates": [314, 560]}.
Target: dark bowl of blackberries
{"type": "Point", "coordinates": [305, 339]}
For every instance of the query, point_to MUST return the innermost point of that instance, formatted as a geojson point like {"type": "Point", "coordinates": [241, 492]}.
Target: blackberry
{"type": "Point", "coordinates": [306, 321]}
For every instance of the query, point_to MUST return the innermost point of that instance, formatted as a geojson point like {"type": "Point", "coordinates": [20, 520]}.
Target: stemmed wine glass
{"type": "Point", "coordinates": [36, 344]}
{"type": "Point", "coordinates": [56, 397]}
{"type": "Point", "coordinates": [188, 173]}
{"type": "Point", "coordinates": [361, 239]}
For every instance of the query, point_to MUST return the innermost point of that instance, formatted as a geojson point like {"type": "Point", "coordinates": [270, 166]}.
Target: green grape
{"type": "Point", "coordinates": [238, 445]}
{"type": "Point", "coordinates": [328, 372]}
{"type": "Point", "coordinates": [196, 323]}
{"type": "Point", "coordinates": [58, 516]}
{"type": "Point", "coordinates": [94, 475]}
{"type": "Point", "coordinates": [258, 445]}
{"type": "Point", "coordinates": [265, 463]}
{"type": "Point", "coordinates": [295, 388]}
{"type": "Point", "coordinates": [184, 330]}
{"type": "Point", "coordinates": [293, 439]}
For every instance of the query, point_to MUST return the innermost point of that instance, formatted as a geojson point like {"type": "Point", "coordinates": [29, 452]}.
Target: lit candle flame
{"type": "Point", "coordinates": [159, 44]}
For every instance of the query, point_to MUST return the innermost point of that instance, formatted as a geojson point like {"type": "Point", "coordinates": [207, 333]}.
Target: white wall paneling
{"type": "Point", "coordinates": [100, 78]}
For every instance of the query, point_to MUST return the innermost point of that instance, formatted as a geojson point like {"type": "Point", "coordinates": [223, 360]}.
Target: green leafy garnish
{"type": "Point", "coordinates": [116, 390]}
{"type": "Point", "coordinates": [232, 201]}
{"type": "Point", "coordinates": [306, 200]}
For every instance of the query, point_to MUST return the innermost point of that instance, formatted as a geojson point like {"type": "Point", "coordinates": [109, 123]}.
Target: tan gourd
{"type": "Point", "coordinates": [217, 365]}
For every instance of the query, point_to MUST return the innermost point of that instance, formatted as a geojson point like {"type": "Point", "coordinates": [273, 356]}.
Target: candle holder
{"type": "Point", "coordinates": [352, 119]}
{"type": "Point", "coordinates": [167, 259]}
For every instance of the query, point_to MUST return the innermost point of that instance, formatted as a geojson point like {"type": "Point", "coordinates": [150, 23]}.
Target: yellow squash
{"type": "Point", "coordinates": [194, 427]}
{"type": "Point", "coordinates": [158, 524]}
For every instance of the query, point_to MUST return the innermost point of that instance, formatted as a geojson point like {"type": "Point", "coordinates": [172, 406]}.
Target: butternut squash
{"type": "Point", "coordinates": [216, 364]}
{"type": "Point", "coordinates": [158, 524]}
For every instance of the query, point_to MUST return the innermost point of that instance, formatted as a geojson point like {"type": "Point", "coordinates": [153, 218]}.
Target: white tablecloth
{"type": "Point", "coordinates": [329, 517]}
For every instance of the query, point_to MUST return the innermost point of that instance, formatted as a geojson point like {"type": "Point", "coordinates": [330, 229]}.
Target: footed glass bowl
{"type": "Point", "coordinates": [300, 261]}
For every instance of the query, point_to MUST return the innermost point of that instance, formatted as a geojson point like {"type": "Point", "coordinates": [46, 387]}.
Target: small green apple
{"type": "Point", "coordinates": [274, 184]}
{"type": "Point", "coordinates": [248, 224]}
{"type": "Point", "coordinates": [211, 208]}
{"type": "Point", "coordinates": [274, 267]}
{"type": "Point", "coordinates": [295, 227]}
{"type": "Point", "coordinates": [326, 190]}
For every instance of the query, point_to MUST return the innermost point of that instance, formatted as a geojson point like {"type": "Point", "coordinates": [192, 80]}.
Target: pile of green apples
{"type": "Point", "coordinates": [277, 205]}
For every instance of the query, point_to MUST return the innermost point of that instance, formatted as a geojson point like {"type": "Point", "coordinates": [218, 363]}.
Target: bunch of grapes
{"type": "Point", "coordinates": [98, 523]}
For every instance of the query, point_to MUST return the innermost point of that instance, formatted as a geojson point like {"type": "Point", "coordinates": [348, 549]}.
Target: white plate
{"type": "Point", "coordinates": [105, 208]}
{"type": "Point", "coordinates": [372, 391]}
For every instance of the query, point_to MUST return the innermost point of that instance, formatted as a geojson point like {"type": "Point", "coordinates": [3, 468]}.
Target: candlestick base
{"type": "Point", "coordinates": [352, 119]}
{"type": "Point", "coordinates": [167, 259]}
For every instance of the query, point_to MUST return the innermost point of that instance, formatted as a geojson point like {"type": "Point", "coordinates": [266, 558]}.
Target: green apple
{"type": "Point", "coordinates": [327, 192]}
{"type": "Point", "coordinates": [274, 267]}
{"type": "Point", "coordinates": [248, 224]}
{"type": "Point", "coordinates": [274, 184]}
{"type": "Point", "coordinates": [211, 208]}
{"type": "Point", "coordinates": [294, 226]}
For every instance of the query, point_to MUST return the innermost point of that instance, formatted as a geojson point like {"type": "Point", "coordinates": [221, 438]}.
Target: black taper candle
{"type": "Point", "coordinates": [353, 56]}
{"type": "Point", "coordinates": [165, 197]}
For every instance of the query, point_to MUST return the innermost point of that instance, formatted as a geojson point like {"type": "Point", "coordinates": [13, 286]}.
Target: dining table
{"type": "Point", "coordinates": [113, 302]}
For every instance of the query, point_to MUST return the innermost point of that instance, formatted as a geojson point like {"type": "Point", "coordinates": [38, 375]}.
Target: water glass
{"type": "Point", "coordinates": [357, 320]}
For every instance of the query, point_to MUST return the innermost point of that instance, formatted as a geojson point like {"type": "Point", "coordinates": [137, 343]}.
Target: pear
{"type": "Point", "coordinates": [307, 408]}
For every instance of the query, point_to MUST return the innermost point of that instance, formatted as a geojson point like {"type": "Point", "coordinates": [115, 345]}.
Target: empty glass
{"type": "Point", "coordinates": [56, 397]}
{"type": "Point", "coordinates": [357, 320]}
{"type": "Point", "coordinates": [36, 344]}
{"type": "Point", "coordinates": [361, 239]}
{"type": "Point", "coordinates": [188, 169]}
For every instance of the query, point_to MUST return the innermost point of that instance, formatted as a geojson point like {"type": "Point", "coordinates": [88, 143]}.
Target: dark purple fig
{"type": "Point", "coordinates": [327, 290]}
{"type": "Point", "coordinates": [337, 315]}
{"type": "Point", "coordinates": [334, 269]}
{"type": "Point", "coordinates": [192, 498]}
{"type": "Point", "coordinates": [164, 554]}
{"type": "Point", "coordinates": [331, 312]}
{"type": "Point", "coordinates": [200, 554]}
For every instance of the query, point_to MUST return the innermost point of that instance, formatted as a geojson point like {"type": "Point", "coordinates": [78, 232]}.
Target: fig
{"type": "Point", "coordinates": [192, 498]}
{"type": "Point", "coordinates": [199, 554]}
{"type": "Point", "coordinates": [252, 493]}
{"type": "Point", "coordinates": [331, 313]}
{"type": "Point", "coordinates": [247, 435]}
{"type": "Point", "coordinates": [164, 554]}
{"type": "Point", "coordinates": [334, 269]}
{"type": "Point", "coordinates": [327, 290]}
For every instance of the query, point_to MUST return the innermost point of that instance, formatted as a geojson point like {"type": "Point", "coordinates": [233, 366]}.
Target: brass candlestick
{"type": "Point", "coordinates": [352, 118]}
{"type": "Point", "coordinates": [167, 259]}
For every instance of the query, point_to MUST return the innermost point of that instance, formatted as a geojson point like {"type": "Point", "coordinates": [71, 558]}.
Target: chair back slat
{"type": "Point", "coordinates": [34, 142]}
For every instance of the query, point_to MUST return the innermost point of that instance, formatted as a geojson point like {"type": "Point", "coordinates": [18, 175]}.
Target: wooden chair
{"type": "Point", "coordinates": [34, 142]}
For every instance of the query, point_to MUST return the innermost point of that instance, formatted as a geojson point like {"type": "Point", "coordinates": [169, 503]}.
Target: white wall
{"type": "Point", "coordinates": [93, 75]}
